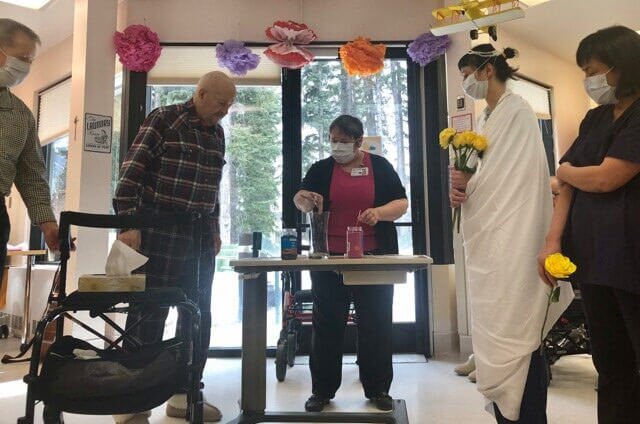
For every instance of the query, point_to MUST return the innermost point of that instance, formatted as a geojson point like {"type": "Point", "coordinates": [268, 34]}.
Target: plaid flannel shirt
{"type": "Point", "coordinates": [174, 164]}
{"type": "Point", "coordinates": [21, 159]}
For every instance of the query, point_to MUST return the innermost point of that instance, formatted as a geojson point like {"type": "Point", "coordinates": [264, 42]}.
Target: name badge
{"type": "Point", "coordinates": [359, 172]}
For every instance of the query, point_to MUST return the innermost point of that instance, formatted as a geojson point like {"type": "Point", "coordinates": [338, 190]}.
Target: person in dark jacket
{"type": "Point", "coordinates": [354, 186]}
{"type": "Point", "coordinates": [596, 218]}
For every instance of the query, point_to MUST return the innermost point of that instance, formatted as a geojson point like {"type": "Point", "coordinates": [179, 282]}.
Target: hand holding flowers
{"type": "Point", "coordinates": [465, 146]}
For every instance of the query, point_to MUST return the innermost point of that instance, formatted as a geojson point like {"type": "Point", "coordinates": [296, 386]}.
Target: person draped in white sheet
{"type": "Point", "coordinates": [506, 211]}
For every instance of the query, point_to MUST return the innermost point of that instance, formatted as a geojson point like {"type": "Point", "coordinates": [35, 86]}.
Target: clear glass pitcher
{"type": "Point", "coordinates": [319, 234]}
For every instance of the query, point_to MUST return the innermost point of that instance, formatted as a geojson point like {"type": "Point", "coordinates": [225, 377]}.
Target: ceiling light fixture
{"type": "Point", "coordinates": [531, 3]}
{"type": "Point", "coordinates": [484, 21]}
{"type": "Point", "coordinates": [30, 4]}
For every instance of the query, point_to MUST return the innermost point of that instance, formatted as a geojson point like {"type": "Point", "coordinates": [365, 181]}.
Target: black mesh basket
{"type": "Point", "coordinates": [115, 382]}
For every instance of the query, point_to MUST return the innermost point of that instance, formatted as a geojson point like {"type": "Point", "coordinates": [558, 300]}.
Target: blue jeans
{"type": "Point", "coordinates": [533, 409]}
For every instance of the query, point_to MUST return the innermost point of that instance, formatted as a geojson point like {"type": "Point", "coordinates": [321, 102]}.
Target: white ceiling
{"type": "Point", "coordinates": [53, 23]}
{"type": "Point", "coordinates": [559, 25]}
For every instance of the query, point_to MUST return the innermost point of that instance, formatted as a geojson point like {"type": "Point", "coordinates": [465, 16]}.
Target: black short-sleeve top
{"type": "Point", "coordinates": [602, 235]}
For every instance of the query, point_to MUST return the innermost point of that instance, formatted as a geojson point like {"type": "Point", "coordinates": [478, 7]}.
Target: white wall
{"type": "Point", "coordinates": [332, 20]}
{"type": "Point", "coordinates": [570, 102]}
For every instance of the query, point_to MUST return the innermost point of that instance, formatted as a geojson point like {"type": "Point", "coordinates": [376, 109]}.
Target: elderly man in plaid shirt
{"type": "Point", "coordinates": [175, 164]}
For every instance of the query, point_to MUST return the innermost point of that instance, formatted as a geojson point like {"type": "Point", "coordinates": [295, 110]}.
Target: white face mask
{"type": "Point", "coordinates": [343, 152]}
{"type": "Point", "coordinates": [13, 72]}
{"type": "Point", "coordinates": [599, 89]}
{"type": "Point", "coordinates": [475, 89]}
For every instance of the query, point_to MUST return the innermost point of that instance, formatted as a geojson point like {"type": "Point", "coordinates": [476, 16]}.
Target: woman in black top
{"type": "Point", "coordinates": [597, 217]}
{"type": "Point", "coordinates": [331, 185]}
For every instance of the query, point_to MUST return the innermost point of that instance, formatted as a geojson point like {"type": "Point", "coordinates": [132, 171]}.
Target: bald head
{"type": "Point", "coordinates": [213, 97]}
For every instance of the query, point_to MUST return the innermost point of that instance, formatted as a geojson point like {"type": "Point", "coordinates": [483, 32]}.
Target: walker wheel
{"type": "Point", "coordinates": [292, 347]}
{"type": "Point", "coordinates": [281, 361]}
{"type": "Point", "coordinates": [52, 416]}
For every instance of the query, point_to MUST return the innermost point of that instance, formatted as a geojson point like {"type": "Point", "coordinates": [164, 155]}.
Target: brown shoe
{"type": "Point", "coordinates": [210, 413]}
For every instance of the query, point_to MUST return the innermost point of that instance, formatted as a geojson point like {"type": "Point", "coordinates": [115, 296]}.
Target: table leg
{"type": "Point", "coordinates": [25, 344]}
{"type": "Point", "coordinates": [26, 316]}
{"type": "Point", "coordinates": [254, 344]}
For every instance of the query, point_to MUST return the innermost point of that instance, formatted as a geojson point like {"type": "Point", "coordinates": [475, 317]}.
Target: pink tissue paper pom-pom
{"type": "Point", "coordinates": [138, 48]}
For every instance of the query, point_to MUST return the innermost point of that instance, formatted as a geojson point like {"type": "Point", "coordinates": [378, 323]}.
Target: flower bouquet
{"type": "Point", "coordinates": [466, 146]}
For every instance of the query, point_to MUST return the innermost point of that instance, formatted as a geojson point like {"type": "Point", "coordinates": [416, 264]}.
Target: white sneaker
{"type": "Point", "coordinates": [177, 408]}
{"type": "Point", "coordinates": [139, 418]}
{"type": "Point", "coordinates": [472, 377]}
{"type": "Point", "coordinates": [466, 368]}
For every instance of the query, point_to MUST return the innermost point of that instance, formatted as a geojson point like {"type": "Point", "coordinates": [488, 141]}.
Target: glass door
{"type": "Point", "coordinates": [250, 193]}
{"type": "Point", "coordinates": [382, 103]}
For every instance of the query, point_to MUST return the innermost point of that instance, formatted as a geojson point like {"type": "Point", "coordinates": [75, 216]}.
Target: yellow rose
{"type": "Point", "coordinates": [559, 265]}
{"type": "Point", "coordinates": [445, 137]}
{"type": "Point", "coordinates": [480, 143]}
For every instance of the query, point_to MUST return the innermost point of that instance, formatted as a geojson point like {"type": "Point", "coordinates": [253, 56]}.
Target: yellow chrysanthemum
{"type": "Point", "coordinates": [559, 265]}
{"type": "Point", "coordinates": [480, 143]}
{"type": "Point", "coordinates": [464, 139]}
{"type": "Point", "coordinates": [445, 137]}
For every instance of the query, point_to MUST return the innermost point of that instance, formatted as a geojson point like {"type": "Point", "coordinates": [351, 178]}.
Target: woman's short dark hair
{"type": "Point", "coordinates": [348, 125]}
{"type": "Point", "coordinates": [499, 61]}
{"type": "Point", "coordinates": [617, 47]}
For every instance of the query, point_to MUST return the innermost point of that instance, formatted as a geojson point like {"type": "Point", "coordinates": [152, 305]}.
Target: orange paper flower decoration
{"type": "Point", "coordinates": [360, 57]}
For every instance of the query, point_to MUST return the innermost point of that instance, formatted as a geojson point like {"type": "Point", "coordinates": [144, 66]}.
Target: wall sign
{"type": "Point", "coordinates": [462, 122]}
{"type": "Point", "coordinates": [97, 133]}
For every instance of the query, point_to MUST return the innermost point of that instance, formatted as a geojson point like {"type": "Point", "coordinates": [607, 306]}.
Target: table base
{"type": "Point", "coordinates": [397, 416]}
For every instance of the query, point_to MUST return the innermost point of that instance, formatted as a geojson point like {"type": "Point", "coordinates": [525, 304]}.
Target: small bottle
{"type": "Point", "coordinates": [289, 244]}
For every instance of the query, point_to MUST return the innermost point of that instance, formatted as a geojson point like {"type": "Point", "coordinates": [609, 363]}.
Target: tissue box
{"type": "Point", "coordinates": [104, 283]}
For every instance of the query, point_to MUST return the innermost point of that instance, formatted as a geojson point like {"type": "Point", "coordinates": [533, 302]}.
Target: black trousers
{"type": "Point", "coordinates": [533, 409]}
{"type": "Point", "coordinates": [5, 230]}
{"type": "Point", "coordinates": [613, 316]}
{"type": "Point", "coordinates": [152, 328]}
{"type": "Point", "coordinates": [374, 305]}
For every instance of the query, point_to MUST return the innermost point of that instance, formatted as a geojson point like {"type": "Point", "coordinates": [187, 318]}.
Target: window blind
{"type": "Point", "coordinates": [54, 106]}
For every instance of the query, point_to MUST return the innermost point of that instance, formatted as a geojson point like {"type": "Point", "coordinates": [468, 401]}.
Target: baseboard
{"type": "Point", "coordinates": [466, 347]}
{"type": "Point", "coordinates": [444, 343]}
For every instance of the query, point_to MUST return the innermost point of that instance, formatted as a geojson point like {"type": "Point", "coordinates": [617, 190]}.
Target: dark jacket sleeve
{"type": "Point", "coordinates": [311, 181]}
{"type": "Point", "coordinates": [393, 188]}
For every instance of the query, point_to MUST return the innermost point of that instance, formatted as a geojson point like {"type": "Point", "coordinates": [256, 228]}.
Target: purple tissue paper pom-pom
{"type": "Point", "coordinates": [427, 48]}
{"type": "Point", "coordinates": [237, 58]}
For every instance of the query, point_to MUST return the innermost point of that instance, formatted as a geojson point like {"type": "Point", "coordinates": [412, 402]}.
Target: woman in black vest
{"type": "Point", "coordinates": [354, 186]}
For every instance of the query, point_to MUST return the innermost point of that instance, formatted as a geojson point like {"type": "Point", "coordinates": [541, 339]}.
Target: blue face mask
{"type": "Point", "coordinates": [13, 72]}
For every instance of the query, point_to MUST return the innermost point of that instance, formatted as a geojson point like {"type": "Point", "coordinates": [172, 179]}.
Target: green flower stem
{"type": "Point", "coordinates": [554, 295]}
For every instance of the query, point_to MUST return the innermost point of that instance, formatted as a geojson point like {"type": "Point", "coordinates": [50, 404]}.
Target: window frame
{"type": "Point", "coordinates": [36, 237]}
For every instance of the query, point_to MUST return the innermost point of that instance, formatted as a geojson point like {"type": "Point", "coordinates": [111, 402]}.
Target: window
{"type": "Point", "coordinates": [54, 105]}
{"type": "Point", "coordinates": [539, 97]}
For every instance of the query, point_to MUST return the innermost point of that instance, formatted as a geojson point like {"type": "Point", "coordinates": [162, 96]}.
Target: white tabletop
{"type": "Point", "coordinates": [336, 263]}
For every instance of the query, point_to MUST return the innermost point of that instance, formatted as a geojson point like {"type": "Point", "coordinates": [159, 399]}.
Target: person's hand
{"type": "Point", "coordinates": [548, 249]}
{"type": "Point", "coordinates": [217, 245]}
{"type": "Point", "coordinates": [50, 232]}
{"type": "Point", "coordinates": [456, 197]}
{"type": "Point", "coordinates": [459, 179]}
{"type": "Point", "coordinates": [131, 238]}
{"type": "Point", "coordinates": [310, 200]}
{"type": "Point", "coordinates": [560, 173]}
{"type": "Point", "coordinates": [369, 217]}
